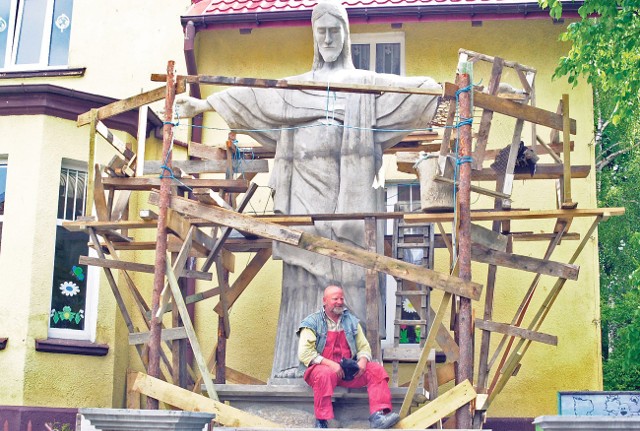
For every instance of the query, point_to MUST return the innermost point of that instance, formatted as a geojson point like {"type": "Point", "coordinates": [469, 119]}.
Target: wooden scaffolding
{"type": "Point", "coordinates": [189, 205]}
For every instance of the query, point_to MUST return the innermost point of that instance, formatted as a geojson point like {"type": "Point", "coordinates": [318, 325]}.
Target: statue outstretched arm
{"type": "Point", "coordinates": [188, 107]}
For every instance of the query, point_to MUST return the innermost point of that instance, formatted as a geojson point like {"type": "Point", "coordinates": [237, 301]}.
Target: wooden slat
{"type": "Point", "coordinates": [102, 212]}
{"type": "Point", "coordinates": [130, 103]}
{"type": "Point", "coordinates": [480, 253]}
{"type": "Point", "coordinates": [148, 183]}
{"type": "Point", "coordinates": [153, 167]}
{"type": "Point", "coordinates": [515, 215]}
{"type": "Point", "coordinates": [137, 267]}
{"type": "Point", "coordinates": [191, 333]}
{"type": "Point", "coordinates": [245, 278]}
{"type": "Point", "coordinates": [168, 334]}
{"type": "Point", "coordinates": [291, 84]}
{"type": "Point", "coordinates": [487, 115]}
{"type": "Point", "coordinates": [516, 331]}
{"type": "Point", "coordinates": [188, 401]}
{"type": "Point", "coordinates": [514, 109]}
{"type": "Point", "coordinates": [326, 247]}
{"type": "Point", "coordinates": [116, 143]}
{"type": "Point", "coordinates": [437, 409]}
{"type": "Point", "coordinates": [424, 355]}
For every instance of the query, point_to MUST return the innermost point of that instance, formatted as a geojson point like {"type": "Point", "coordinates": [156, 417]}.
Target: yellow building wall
{"type": "Point", "coordinates": [432, 50]}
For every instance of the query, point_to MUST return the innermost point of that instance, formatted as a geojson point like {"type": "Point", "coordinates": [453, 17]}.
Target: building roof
{"type": "Point", "coordinates": [261, 13]}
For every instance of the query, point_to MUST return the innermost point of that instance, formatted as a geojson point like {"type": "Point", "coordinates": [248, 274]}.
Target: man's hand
{"type": "Point", "coordinates": [335, 367]}
{"type": "Point", "coordinates": [362, 364]}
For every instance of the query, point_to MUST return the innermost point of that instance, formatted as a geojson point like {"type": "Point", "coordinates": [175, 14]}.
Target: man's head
{"type": "Point", "coordinates": [333, 301]}
{"type": "Point", "coordinates": [331, 39]}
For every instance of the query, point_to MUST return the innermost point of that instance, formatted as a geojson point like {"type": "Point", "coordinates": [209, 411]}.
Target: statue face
{"type": "Point", "coordinates": [329, 35]}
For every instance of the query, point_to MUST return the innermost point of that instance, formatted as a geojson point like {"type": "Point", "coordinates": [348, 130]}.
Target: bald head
{"type": "Point", "coordinates": [333, 302]}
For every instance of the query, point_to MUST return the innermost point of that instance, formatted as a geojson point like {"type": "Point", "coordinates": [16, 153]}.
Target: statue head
{"type": "Point", "coordinates": [331, 37]}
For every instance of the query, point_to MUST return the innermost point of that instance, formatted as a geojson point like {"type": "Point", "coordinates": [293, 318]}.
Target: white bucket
{"type": "Point", "coordinates": [435, 196]}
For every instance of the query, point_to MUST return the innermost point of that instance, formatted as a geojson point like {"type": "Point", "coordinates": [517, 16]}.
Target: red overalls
{"type": "Point", "coordinates": [323, 380]}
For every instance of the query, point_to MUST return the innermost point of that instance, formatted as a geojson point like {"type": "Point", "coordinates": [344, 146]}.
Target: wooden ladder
{"type": "Point", "coordinates": [412, 243]}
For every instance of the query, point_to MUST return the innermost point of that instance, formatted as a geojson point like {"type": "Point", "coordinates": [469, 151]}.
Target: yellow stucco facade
{"type": "Point", "coordinates": [135, 39]}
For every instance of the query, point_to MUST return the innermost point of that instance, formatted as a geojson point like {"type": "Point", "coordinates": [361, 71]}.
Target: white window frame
{"type": "Point", "coordinates": [14, 28]}
{"type": "Point", "coordinates": [4, 161]}
{"type": "Point", "coordinates": [373, 38]}
{"type": "Point", "coordinates": [93, 284]}
{"type": "Point", "coordinates": [391, 284]}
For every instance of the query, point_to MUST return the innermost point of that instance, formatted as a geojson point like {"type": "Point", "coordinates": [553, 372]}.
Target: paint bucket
{"type": "Point", "coordinates": [435, 196]}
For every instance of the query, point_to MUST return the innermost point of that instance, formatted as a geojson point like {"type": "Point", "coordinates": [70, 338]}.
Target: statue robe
{"type": "Point", "coordinates": [327, 154]}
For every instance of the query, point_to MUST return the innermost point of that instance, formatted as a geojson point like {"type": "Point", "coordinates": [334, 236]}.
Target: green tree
{"type": "Point", "coordinates": [605, 51]}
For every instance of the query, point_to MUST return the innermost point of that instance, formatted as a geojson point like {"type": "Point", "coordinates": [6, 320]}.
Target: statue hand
{"type": "Point", "coordinates": [187, 107]}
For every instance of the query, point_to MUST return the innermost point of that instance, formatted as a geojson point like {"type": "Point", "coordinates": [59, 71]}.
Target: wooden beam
{"type": "Point", "coordinates": [188, 401]}
{"type": "Point", "coordinates": [424, 355]}
{"type": "Point", "coordinates": [137, 267]}
{"type": "Point", "coordinates": [514, 109]}
{"type": "Point", "coordinates": [153, 167]}
{"type": "Point", "coordinates": [116, 143]}
{"type": "Point", "coordinates": [291, 84]}
{"type": "Point", "coordinates": [514, 215]}
{"type": "Point", "coordinates": [148, 183]}
{"type": "Point", "coordinates": [245, 278]}
{"type": "Point", "coordinates": [168, 334]}
{"type": "Point", "coordinates": [130, 103]}
{"type": "Point", "coordinates": [437, 409]}
{"type": "Point", "coordinates": [326, 247]}
{"type": "Point", "coordinates": [191, 333]}
{"type": "Point", "coordinates": [516, 331]}
{"type": "Point", "coordinates": [483, 254]}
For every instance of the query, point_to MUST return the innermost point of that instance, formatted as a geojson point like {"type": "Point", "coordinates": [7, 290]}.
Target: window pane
{"type": "Point", "coordinates": [361, 55]}
{"type": "Point", "coordinates": [69, 293]}
{"type": "Point", "coordinates": [31, 31]}
{"type": "Point", "coordinates": [5, 17]}
{"type": "Point", "coordinates": [71, 198]}
{"type": "Point", "coordinates": [388, 58]}
{"type": "Point", "coordinates": [60, 33]}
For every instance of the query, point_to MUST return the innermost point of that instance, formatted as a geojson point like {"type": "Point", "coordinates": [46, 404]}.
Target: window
{"type": "Point", "coordinates": [34, 34]}
{"type": "Point", "coordinates": [3, 187]}
{"type": "Point", "coordinates": [406, 198]}
{"type": "Point", "coordinates": [382, 52]}
{"type": "Point", "coordinates": [74, 289]}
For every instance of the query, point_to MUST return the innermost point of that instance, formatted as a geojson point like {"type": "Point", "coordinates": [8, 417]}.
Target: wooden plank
{"type": "Point", "coordinates": [153, 167]}
{"type": "Point", "coordinates": [514, 215]}
{"type": "Point", "coordinates": [424, 355]}
{"type": "Point", "coordinates": [130, 103]}
{"type": "Point", "coordinates": [432, 377]}
{"type": "Point", "coordinates": [488, 238]}
{"type": "Point", "coordinates": [487, 115]}
{"type": "Point", "coordinates": [480, 253]}
{"type": "Point", "coordinates": [566, 156]}
{"type": "Point", "coordinates": [188, 401]}
{"type": "Point", "coordinates": [208, 152]}
{"type": "Point", "coordinates": [326, 247]}
{"type": "Point", "coordinates": [291, 84]}
{"type": "Point", "coordinates": [102, 212]}
{"type": "Point", "coordinates": [191, 333]}
{"type": "Point", "coordinates": [178, 269]}
{"type": "Point", "coordinates": [149, 183]}
{"type": "Point", "coordinates": [168, 334]}
{"type": "Point", "coordinates": [474, 188]}
{"type": "Point", "coordinates": [245, 278]}
{"type": "Point", "coordinates": [133, 398]}
{"type": "Point", "coordinates": [118, 211]}
{"type": "Point", "coordinates": [137, 267]}
{"type": "Point", "coordinates": [115, 142]}
{"type": "Point", "coordinates": [437, 409]}
{"type": "Point", "coordinates": [372, 290]}
{"type": "Point", "coordinates": [514, 109]}
{"type": "Point", "coordinates": [235, 376]}
{"type": "Point", "coordinates": [516, 331]}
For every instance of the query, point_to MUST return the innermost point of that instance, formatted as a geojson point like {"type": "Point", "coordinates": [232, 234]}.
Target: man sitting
{"type": "Point", "coordinates": [332, 336]}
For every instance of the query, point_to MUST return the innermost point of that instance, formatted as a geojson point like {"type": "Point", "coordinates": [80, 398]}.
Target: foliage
{"type": "Point", "coordinates": [605, 51]}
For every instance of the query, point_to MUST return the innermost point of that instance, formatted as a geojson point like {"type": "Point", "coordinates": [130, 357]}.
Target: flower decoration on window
{"type": "Point", "coordinates": [63, 22]}
{"type": "Point", "coordinates": [3, 24]}
{"type": "Point", "coordinates": [77, 272]}
{"type": "Point", "coordinates": [67, 314]}
{"type": "Point", "coordinates": [408, 306]}
{"type": "Point", "coordinates": [69, 288]}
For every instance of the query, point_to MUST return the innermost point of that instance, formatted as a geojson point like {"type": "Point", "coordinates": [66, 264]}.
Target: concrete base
{"type": "Point", "coordinates": [291, 404]}
{"type": "Point", "coordinates": [140, 420]}
{"type": "Point", "coordinates": [587, 423]}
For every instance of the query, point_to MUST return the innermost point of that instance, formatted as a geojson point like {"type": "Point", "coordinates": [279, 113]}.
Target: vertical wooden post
{"type": "Point", "coordinates": [161, 238]}
{"type": "Point", "coordinates": [566, 150]}
{"type": "Point", "coordinates": [464, 322]}
{"type": "Point", "coordinates": [91, 161]}
{"type": "Point", "coordinates": [372, 293]}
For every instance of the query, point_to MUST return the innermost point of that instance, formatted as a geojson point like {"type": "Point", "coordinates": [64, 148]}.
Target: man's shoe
{"type": "Point", "coordinates": [380, 420]}
{"type": "Point", "coordinates": [322, 423]}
